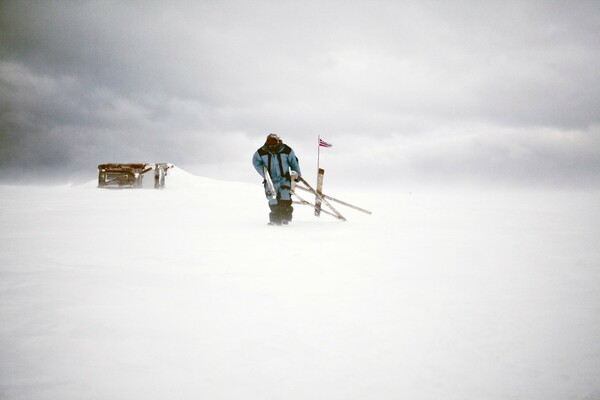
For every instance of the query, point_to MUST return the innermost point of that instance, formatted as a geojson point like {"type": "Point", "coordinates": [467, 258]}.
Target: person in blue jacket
{"type": "Point", "coordinates": [280, 160]}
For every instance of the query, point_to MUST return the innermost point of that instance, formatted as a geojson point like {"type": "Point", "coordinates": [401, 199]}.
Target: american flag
{"type": "Point", "coordinates": [323, 143]}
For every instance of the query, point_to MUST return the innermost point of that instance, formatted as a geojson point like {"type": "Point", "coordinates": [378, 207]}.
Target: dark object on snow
{"type": "Point", "coordinates": [121, 176]}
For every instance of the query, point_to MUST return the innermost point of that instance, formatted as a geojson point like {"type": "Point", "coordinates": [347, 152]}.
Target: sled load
{"type": "Point", "coordinates": [123, 176]}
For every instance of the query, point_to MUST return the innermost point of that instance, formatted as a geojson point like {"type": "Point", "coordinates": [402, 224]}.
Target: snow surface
{"type": "Point", "coordinates": [185, 293]}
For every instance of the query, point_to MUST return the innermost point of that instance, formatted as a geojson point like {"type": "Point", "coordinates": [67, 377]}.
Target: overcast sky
{"type": "Point", "coordinates": [504, 92]}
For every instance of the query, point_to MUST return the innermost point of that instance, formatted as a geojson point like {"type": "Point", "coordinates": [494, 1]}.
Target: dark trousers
{"type": "Point", "coordinates": [282, 211]}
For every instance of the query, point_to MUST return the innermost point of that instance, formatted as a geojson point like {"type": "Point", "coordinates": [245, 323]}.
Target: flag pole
{"type": "Point", "coordinates": [318, 153]}
{"type": "Point", "coordinates": [319, 179]}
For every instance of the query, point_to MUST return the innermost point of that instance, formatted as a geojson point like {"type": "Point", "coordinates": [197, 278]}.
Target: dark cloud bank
{"type": "Point", "coordinates": [500, 92]}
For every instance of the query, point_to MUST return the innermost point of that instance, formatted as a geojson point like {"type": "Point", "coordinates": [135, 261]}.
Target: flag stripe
{"type": "Point", "coordinates": [323, 143]}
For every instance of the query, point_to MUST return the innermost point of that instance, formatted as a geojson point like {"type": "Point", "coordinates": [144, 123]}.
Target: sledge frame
{"type": "Point", "coordinates": [131, 175]}
{"type": "Point", "coordinates": [322, 199]}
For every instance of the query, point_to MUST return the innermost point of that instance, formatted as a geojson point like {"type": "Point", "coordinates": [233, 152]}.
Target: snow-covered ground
{"type": "Point", "coordinates": [186, 293]}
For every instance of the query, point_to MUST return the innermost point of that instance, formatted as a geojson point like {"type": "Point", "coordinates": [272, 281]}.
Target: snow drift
{"type": "Point", "coordinates": [187, 293]}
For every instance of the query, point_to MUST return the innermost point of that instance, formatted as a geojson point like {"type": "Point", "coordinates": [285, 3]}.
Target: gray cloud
{"type": "Point", "coordinates": [501, 91]}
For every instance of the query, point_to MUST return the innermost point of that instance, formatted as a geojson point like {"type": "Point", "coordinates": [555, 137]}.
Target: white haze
{"type": "Point", "coordinates": [186, 293]}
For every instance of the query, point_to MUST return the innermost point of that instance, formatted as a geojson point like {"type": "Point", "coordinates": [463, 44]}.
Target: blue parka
{"type": "Point", "coordinates": [279, 164]}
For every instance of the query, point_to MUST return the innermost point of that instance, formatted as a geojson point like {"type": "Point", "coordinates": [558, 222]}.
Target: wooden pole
{"type": "Point", "coordinates": [320, 173]}
{"type": "Point", "coordinates": [347, 204]}
{"type": "Point", "coordinates": [319, 194]}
